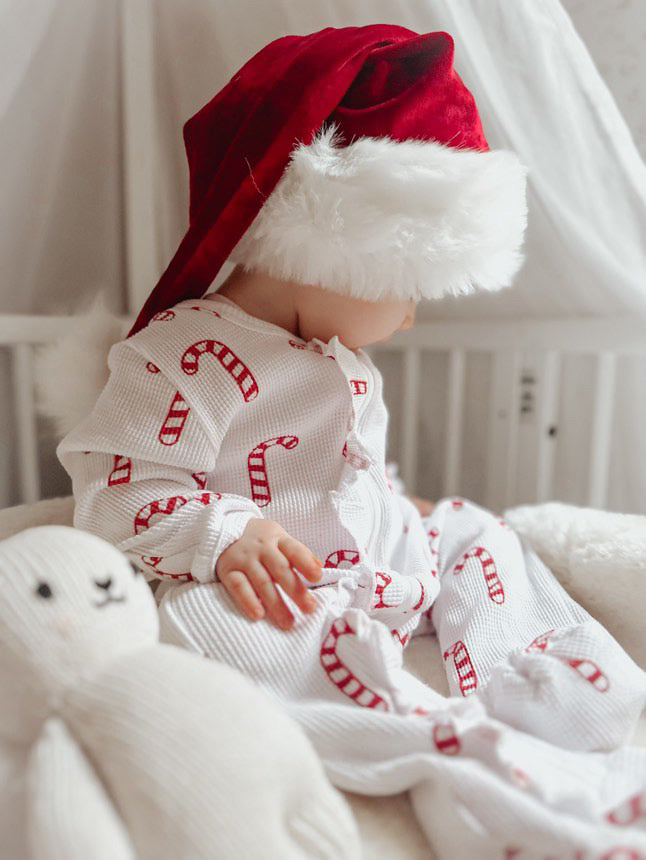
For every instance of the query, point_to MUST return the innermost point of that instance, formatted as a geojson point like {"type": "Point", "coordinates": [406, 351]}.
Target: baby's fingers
{"type": "Point", "coordinates": [301, 558]}
{"type": "Point", "coordinates": [243, 595]}
{"type": "Point", "coordinates": [282, 573]}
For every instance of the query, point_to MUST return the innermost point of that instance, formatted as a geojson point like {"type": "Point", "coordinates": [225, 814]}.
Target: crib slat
{"type": "Point", "coordinates": [27, 433]}
{"type": "Point", "coordinates": [453, 427]}
{"type": "Point", "coordinates": [599, 465]}
{"type": "Point", "coordinates": [547, 415]}
{"type": "Point", "coordinates": [410, 413]}
{"type": "Point", "coordinates": [503, 429]}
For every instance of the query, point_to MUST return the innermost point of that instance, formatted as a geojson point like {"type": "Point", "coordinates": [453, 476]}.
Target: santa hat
{"type": "Point", "coordinates": [353, 159]}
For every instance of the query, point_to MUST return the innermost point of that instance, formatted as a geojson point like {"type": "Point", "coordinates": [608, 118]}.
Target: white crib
{"type": "Point", "coordinates": [522, 411]}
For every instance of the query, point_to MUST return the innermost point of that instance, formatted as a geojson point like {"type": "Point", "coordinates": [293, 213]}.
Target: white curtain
{"type": "Point", "coordinates": [61, 149]}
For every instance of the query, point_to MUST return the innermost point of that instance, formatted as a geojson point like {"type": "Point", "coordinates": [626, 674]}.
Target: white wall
{"type": "Point", "coordinates": [615, 34]}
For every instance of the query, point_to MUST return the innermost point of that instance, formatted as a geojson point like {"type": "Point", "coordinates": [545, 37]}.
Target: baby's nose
{"type": "Point", "coordinates": [105, 584]}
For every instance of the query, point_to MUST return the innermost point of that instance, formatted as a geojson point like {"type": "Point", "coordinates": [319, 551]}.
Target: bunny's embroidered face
{"type": "Point", "coordinates": [69, 601]}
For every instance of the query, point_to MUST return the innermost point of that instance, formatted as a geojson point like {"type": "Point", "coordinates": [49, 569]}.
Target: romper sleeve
{"type": "Point", "coordinates": [139, 466]}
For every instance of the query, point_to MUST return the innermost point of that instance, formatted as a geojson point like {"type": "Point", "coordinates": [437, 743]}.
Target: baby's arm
{"type": "Point", "coordinates": [153, 502]}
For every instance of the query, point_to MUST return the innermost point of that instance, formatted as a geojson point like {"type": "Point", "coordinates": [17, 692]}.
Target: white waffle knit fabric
{"type": "Point", "coordinates": [212, 417]}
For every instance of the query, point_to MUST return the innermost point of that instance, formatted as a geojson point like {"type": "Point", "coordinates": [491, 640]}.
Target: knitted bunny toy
{"type": "Point", "coordinates": [113, 745]}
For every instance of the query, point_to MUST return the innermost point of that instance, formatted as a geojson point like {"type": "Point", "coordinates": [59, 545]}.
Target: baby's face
{"type": "Point", "coordinates": [357, 323]}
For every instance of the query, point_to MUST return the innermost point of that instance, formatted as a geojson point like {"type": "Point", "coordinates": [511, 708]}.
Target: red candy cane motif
{"type": "Point", "coordinates": [467, 678]}
{"type": "Point", "coordinates": [260, 491]}
{"type": "Point", "coordinates": [163, 316]}
{"type": "Point", "coordinates": [236, 368]}
{"type": "Point", "coordinates": [341, 556]}
{"type": "Point", "coordinates": [166, 507]}
{"type": "Point", "coordinates": [590, 672]}
{"type": "Point", "coordinates": [153, 562]}
{"type": "Point", "coordinates": [151, 368]}
{"type": "Point", "coordinates": [630, 811]}
{"type": "Point", "coordinates": [341, 676]}
{"type": "Point", "coordinates": [121, 471]}
{"type": "Point", "coordinates": [384, 581]}
{"type": "Point", "coordinates": [541, 643]}
{"type": "Point", "coordinates": [206, 311]}
{"type": "Point", "coordinates": [310, 347]}
{"type": "Point", "coordinates": [403, 640]}
{"type": "Point", "coordinates": [174, 421]}
{"type": "Point", "coordinates": [494, 586]}
{"type": "Point", "coordinates": [434, 534]}
{"type": "Point", "coordinates": [200, 479]}
{"type": "Point", "coordinates": [358, 386]}
{"type": "Point", "coordinates": [161, 507]}
{"type": "Point", "coordinates": [445, 739]}
{"type": "Point", "coordinates": [422, 594]}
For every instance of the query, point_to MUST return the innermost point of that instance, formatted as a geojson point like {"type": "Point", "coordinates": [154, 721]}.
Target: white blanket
{"type": "Point", "coordinates": [387, 824]}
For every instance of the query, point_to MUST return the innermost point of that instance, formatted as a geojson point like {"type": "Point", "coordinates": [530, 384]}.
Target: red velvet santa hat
{"type": "Point", "coordinates": [353, 159]}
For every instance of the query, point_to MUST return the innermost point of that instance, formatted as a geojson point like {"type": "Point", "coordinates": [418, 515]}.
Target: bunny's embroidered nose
{"type": "Point", "coordinates": [105, 584]}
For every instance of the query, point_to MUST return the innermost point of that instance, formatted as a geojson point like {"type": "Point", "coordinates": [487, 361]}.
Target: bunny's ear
{"type": "Point", "coordinates": [69, 811]}
{"type": "Point", "coordinates": [71, 372]}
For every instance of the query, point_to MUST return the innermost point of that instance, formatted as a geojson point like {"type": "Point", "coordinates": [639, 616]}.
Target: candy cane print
{"type": "Point", "coordinates": [310, 347]}
{"type": "Point", "coordinates": [341, 556]}
{"type": "Point", "coordinates": [445, 739]}
{"type": "Point", "coordinates": [296, 345]}
{"type": "Point", "coordinates": [403, 640]}
{"type": "Point", "coordinates": [163, 316]}
{"type": "Point", "coordinates": [341, 676]}
{"type": "Point", "coordinates": [494, 586]}
{"type": "Point", "coordinates": [358, 386]}
{"type": "Point", "coordinates": [200, 479]}
{"type": "Point", "coordinates": [206, 311]}
{"type": "Point", "coordinates": [541, 643]}
{"type": "Point", "coordinates": [467, 678]}
{"type": "Point", "coordinates": [159, 507]}
{"type": "Point", "coordinates": [153, 562]}
{"type": "Point", "coordinates": [385, 581]}
{"type": "Point", "coordinates": [236, 368]}
{"type": "Point", "coordinates": [174, 421]}
{"type": "Point", "coordinates": [434, 534]}
{"type": "Point", "coordinates": [166, 507]}
{"type": "Point", "coordinates": [121, 471]}
{"type": "Point", "coordinates": [630, 811]}
{"type": "Point", "coordinates": [256, 461]}
{"type": "Point", "coordinates": [151, 368]}
{"type": "Point", "coordinates": [590, 672]}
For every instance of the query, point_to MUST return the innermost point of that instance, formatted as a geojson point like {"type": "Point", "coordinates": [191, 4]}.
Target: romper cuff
{"type": "Point", "coordinates": [228, 530]}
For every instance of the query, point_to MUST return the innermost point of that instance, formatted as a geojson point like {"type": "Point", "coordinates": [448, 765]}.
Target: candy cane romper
{"type": "Point", "coordinates": [212, 417]}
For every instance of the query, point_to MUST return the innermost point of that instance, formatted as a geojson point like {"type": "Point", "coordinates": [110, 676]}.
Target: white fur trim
{"type": "Point", "coordinates": [381, 219]}
{"type": "Point", "coordinates": [71, 373]}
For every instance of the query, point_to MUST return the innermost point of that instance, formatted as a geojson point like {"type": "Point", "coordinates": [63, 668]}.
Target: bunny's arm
{"type": "Point", "coordinates": [69, 812]}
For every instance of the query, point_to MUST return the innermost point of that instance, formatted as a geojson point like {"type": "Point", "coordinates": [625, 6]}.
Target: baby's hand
{"type": "Point", "coordinates": [251, 566]}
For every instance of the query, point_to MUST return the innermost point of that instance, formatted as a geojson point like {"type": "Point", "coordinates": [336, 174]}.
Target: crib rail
{"type": "Point", "coordinates": [513, 346]}
{"type": "Point", "coordinates": [508, 344]}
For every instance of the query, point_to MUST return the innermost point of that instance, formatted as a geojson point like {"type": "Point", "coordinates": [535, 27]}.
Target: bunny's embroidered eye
{"type": "Point", "coordinates": [44, 590]}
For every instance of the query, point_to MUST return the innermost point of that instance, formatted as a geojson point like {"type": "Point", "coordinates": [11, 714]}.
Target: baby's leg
{"type": "Point", "coordinates": [480, 787]}
{"type": "Point", "coordinates": [511, 634]}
